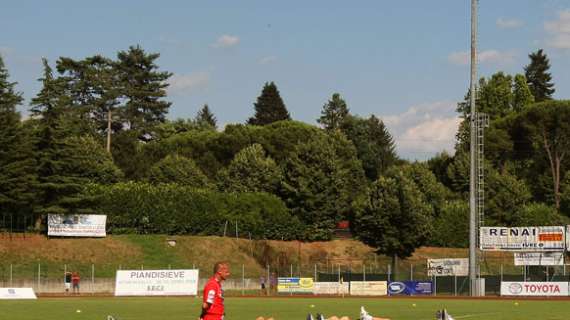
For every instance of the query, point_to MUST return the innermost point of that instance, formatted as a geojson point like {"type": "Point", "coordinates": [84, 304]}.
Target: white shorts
{"type": "Point", "coordinates": [67, 285]}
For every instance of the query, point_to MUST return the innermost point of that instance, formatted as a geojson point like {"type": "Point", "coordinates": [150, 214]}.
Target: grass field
{"type": "Point", "coordinates": [280, 308]}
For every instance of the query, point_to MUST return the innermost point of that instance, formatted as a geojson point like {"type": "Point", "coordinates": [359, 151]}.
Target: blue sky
{"type": "Point", "coordinates": [404, 61]}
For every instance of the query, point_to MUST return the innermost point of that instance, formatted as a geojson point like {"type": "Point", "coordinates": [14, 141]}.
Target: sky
{"type": "Point", "coordinates": [404, 61]}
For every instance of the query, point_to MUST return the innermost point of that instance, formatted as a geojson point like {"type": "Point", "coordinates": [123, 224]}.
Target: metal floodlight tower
{"type": "Point", "coordinates": [473, 227]}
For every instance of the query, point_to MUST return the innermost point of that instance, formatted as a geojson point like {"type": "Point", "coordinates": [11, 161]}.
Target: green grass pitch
{"type": "Point", "coordinates": [280, 308]}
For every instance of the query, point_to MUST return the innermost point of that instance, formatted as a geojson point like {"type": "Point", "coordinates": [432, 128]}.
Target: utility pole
{"type": "Point", "coordinates": [473, 122]}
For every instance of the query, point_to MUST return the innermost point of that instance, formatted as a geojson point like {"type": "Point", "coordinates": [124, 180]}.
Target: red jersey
{"type": "Point", "coordinates": [214, 295]}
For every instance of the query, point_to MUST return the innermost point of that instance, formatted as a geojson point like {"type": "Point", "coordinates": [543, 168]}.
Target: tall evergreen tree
{"type": "Point", "coordinates": [206, 118]}
{"type": "Point", "coordinates": [144, 88]}
{"type": "Point", "coordinates": [269, 107]}
{"type": "Point", "coordinates": [334, 112]}
{"type": "Point", "coordinates": [538, 77]}
{"type": "Point", "coordinates": [17, 166]}
{"type": "Point", "coordinates": [58, 187]}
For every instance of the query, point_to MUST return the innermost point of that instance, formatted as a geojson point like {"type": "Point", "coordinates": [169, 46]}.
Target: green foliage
{"type": "Point", "coordinates": [17, 164]}
{"type": "Point", "coordinates": [565, 196]}
{"type": "Point", "coordinates": [539, 214]}
{"type": "Point", "coordinates": [451, 227]}
{"type": "Point", "coordinates": [435, 193]}
{"type": "Point", "coordinates": [522, 96]}
{"type": "Point", "coordinates": [269, 107]}
{"type": "Point", "coordinates": [91, 161]}
{"type": "Point", "coordinates": [205, 117]}
{"type": "Point", "coordinates": [180, 170]}
{"type": "Point", "coordinates": [504, 194]}
{"type": "Point", "coordinates": [374, 144]}
{"type": "Point", "coordinates": [333, 113]}
{"type": "Point", "coordinates": [143, 88]}
{"type": "Point", "coordinates": [250, 171]}
{"type": "Point", "coordinates": [175, 209]}
{"type": "Point", "coordinates": [538, 77]}
{"type": "Point", "coordinates": [546, 126]}
{"type": "Point", "coordinates": [396, 219]}
{"type": "Point", "coordinates": [438, 165]}
{"type": "Point", "coordinates": [323, 183]}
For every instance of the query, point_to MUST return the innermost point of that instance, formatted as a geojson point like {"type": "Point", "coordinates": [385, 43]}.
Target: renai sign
{"type": "Point", "coordinates": [534, 288]}
{"type": "Point", "coordinates": [550, 238]}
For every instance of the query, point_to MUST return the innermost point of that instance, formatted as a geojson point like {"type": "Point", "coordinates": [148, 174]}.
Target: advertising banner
{"type": "Point", "coordinates": [331, 288]}
{"type": "Point", "coordinates": [448, 267]}
{"type": "Point", "coordinates": [539, 258]}
{"type": "Point", "coordinates": [410, 288]}
{"type": "Point", "coordinates": [522, 238]}
{"type": "Point", "coordinates": [156, 283]}
{"type": "Point", "coordinates": [295, 285]}
{"type": "Point", "coordinates": [369, 288]}
{"type": "Point", "coordinates": [77, 225]}
{"type": "Point", "coordinates": [17, 293]}
{"type": "Point", "coordinates": [534, 288]}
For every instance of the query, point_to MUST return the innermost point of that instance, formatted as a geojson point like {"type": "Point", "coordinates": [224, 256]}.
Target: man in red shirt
{"type": "Point", "coordinates": [213, 301]}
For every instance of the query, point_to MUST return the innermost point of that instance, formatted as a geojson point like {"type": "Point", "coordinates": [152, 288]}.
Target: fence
{"type": "Point", "coordinates": [100, 279]}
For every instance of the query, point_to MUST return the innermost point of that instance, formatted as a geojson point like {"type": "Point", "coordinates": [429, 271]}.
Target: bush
{"type": "Point", "coordinates": [174, 209]}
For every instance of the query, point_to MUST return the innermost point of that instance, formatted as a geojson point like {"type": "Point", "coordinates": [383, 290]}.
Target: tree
{"type": "Point", "coordinates": [17, 165]}
{"type": "Point", "coordinates": [396, 219]}
{"type": "Point", "coordinates": [269, 107]}
{"type": "Point", "coordinates": [323, 183]}
{"type": "Point", "coordinates": [250, 171]}
{"type": "Point", "coordinates": [59, 188]}
{"type": "Point", "coordinates": [538, 214]}
{"type": "Point", "coordinates": [538, 79]}
{"type": "Point", "coordinates": [522, 96]}
{"type": "Point", "coordinates": [178, 169]}
{"type": "Point", "coordinates": [93, 86]}
{"type": "Point", "coordinates": [451, 227]}
{"type": "Point", "coordinates": [143, 87]}
{"type": "Point", "coordinates": [374, 144]}
{"type": "Point", "coordinates": [547, 125]}
{"type": "Point", "coordinates": [205, 117]}
{"type": "Point", "coordinates": [333, 113]}
{"type": "Point", "coordinates": [505, 194]}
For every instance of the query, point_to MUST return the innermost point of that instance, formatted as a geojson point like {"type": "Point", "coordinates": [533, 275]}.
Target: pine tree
{"type": "Point", "coordinates": [333, 113]}
{"type": "Point", "coordinates": [143, 87]}
{"type": "Point", "coordinates": [205, 117]}
{"type": "Point", "coordinates": [269, 107]}
{"type": "Point", "coordinates": [58, 187]}
{"type": "Point", "coordinates": [539, 80]}
{"type": "Point", "coordinates": [17, 166]}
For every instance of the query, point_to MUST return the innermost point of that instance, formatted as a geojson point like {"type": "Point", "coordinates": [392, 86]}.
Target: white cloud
{"type": "Point", "coordinates": [559, 31]}
{"type": "Point", "coordinates": [487, 56]}
{"type": "Point", "coordinates": [187, 83]}
{"type": "Point", "coordinates": [267, 60]}
{"type": "Point", "coordinates": [423, 130]}
{"type": "Point", "coordinates": [226, 41]}
{"type": "Point", "coordinates": [509, 23]}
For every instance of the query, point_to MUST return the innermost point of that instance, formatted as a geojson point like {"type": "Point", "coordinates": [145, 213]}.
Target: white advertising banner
{"type": "Point", "coordinates": [539, 258]}
{"type": "Point", "coordinates": [369, 288]}
{"type": "Point", "coordinates": [17, 293]}
{"type": "Point", "coordinates": [448, 267]}
{"type": "Point", "coordinates": [156, 283]}
{"type": "Point", "coordinates": [77, 225]}
{"type": "Point", "coordinates": [331, 288]}
{"type": "Point", "coordinates": [522, 238]}
{"type": "Point", "coordinates": [534, 288]}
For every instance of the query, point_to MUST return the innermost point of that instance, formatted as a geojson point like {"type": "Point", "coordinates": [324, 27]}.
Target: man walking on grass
{"type": "Point", "coordinates": [213, 299]}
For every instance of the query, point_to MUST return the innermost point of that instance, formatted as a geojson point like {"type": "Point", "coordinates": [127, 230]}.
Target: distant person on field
{"type": "Point", "coordinates": [262, 282]}
{"type": "Point", "coordinates": [67, 281]}
{"type": "Point", "coordinates": [75, 279]}
{"type": "Point", "coordinates": [213, 299]}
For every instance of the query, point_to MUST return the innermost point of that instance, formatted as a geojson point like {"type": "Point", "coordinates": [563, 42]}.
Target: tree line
{"type": "Point", "coordinates": [97, 140]}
